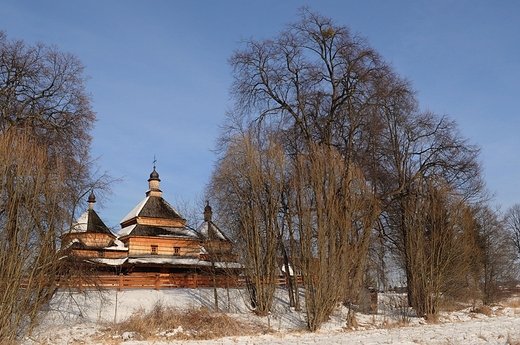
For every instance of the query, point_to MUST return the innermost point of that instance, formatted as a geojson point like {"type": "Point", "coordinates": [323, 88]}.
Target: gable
{"type": "Point", "coordinates": [157, 207]}
{"type": "Point", "coordinates": [90, 222]}
{"type": "Point", "coordinates": [95, 224]}
{"type": "Point", "coordinates": [210, 231]}
{"type": "Point", "coordinates": [154, 207]}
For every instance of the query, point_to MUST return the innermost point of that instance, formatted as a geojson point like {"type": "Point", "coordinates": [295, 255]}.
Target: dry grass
{"type": "Point", "coordinates": [451, 306]}
{"type": "Point", "coordinates": [165, 322]}
{"type": "Point", "coordinates": [432, 318]}
{"type": "Point", "coordinates": [512, 302]}
{"type": "Point", "coordinates": [389, 323]}
{"type": "Point", "coordinates": [484, 309]}
{"type": "Point", "coordinates": [8, 342]}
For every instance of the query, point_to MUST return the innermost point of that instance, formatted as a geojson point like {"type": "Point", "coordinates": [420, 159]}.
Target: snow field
{"type": "Point", "coordinates": [75, 318]}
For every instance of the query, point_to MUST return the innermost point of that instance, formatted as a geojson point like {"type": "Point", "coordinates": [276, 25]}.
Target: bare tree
{"type": "Point", "coordinates": [247, 188]}
{"type": "Point", "coordinates": [43, 91]}
{"type": "Point", "coordinates": [45, 119]}
{"type": "Point", "coordinates": [31, 218]}
{"type": "Point", "coordinates": [335, 213]}
{"type": "Point", "coordinates": [512, 219]}
{"type": "Point", "coordinates": [356, 142]}
{"type": "Point", "coordinates": [438, 244]}
{"type": "Point", "coordinates": [322, 91]}
{"type": "Point", "coordinates": [318, 83]}
{"type": "Point", "coordinates": [422, 155]}
{"type": "Point", "coordinates": [497, 254]}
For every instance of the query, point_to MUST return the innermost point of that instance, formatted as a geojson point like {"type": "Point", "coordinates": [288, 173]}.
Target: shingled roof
{"type": "Point", "coordinates": [154, 216]}
{"type": "Point", "coordinates": [160, 231]}
{"type": "Point", "coordinates": [208, 230]}
{"type": "Point", "coordinates": [89, 221]}
{"type": "Point", "coordinates": [153, 207]}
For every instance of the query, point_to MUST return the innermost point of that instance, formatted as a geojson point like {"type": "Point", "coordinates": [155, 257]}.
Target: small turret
{"type": "Point", "coordinates": [91, 200]}
{"type": "Point", "coordinates": [208, 213]}
{"type": "Point", "coordinates": [153, 184]}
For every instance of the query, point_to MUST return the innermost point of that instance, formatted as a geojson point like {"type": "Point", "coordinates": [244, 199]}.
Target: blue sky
{"type": "Point", "coordinates": [160, 77]}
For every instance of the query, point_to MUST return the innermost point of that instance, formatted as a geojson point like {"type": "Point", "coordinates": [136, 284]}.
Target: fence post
{"type": "Point", "coordinates": [157, 282]}
{"type": "Point", "coordinates": [80, 288]}
{"type": "Point", "coordinates": [120, 281]}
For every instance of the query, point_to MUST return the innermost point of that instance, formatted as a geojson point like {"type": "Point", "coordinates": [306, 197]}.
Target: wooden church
{"type": "Point", "coordinates": [90, 241]}
{"type": "Point", "coordinates": [153, 240]}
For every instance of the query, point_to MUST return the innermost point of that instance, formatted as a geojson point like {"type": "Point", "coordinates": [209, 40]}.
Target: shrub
{"type": "Point", "coordinates": [167, 322]}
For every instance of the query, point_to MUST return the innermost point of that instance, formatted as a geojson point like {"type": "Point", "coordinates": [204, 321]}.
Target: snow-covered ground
{"type": "Point", "coordinates": [75, 318]}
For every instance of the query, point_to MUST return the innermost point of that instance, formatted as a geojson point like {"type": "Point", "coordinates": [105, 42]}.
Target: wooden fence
{"type": "Point", "coordinates": [160, 281]}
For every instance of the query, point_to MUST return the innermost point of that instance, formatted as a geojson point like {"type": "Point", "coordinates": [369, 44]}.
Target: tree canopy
{"type": "Point", "coordinates": [45, 169]}
{"type": "Point", "coordinates": [355, 147]}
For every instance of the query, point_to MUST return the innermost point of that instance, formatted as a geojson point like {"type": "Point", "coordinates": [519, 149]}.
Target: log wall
{"type": "Point", "coordinates": [138, 246]}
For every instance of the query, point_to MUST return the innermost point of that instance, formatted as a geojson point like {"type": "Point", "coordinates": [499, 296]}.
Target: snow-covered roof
{"type": "Point", "coordinates": [184, 261]}
{"type": "Point", "coordinates": [111, 262]}
{"type": "Point", "coordinates": [154, 207]}
{"type": "Point", "coordinates": [135, 212]}
{"type": "Point", "coordinates": [81, 223]}
{"type": "Point", "coordinates": [89, 221]}
{"type": "Point", "coordinates": [118, 245]}
{"type": "Point", "coordinates": [224, 264]}
{"type": "Point", "coordinates": [71, 243]}
{"type": "Point", "coordinates": [126, 230]}
{"type": "Point", "coordinates": [204, 230]}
